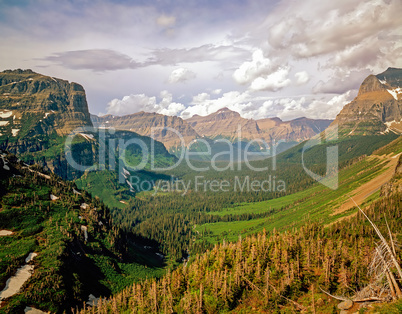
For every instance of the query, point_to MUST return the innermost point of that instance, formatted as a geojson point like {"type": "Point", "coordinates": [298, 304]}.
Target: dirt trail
{"type": "Point", "coordinates": [367, 189]}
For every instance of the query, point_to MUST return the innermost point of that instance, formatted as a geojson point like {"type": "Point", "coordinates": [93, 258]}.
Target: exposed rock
{"type": "Point", "coordinates": [345, 305]}
{"type": "Point", "coordinates": [41, 105]}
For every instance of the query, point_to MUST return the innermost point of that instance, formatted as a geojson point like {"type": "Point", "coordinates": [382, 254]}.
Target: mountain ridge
{"type": "Point", "coordinates": [224, 123]}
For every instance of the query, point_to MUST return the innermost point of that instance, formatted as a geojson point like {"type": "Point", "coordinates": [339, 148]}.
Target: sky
{"type": "Point", "coordinates": [261, 58]}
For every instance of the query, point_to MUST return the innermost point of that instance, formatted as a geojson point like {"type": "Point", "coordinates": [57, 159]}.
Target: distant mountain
{"type": "Point", "coordinates": [224, 123]}
{"type": "Point", "coordinates": [145, 123]}
{"type": "Point", "coordinates": [377, 109]}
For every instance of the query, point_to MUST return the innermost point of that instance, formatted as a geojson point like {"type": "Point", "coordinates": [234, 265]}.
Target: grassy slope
{"type": "Point", "coordinates": [316, 203]}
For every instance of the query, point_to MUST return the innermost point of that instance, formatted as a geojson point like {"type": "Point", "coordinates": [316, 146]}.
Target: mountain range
{"type": "Point", "coordinates": [224, 123]}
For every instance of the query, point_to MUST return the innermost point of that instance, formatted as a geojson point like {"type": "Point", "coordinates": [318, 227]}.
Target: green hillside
{"type": "Point", "coordinates": [277, 272]}
{"type": "Point", "coordinates": [50, 217]}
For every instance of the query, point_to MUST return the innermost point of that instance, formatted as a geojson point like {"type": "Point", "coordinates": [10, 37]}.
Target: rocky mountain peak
{"type": "Point", "coordinates": [371, 84]}
{"type": "Point", "coordinates": [377, 109]}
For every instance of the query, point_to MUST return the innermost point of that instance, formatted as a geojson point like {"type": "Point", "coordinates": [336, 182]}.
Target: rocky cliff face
{"type": "Point", "coordinates": [34, 109]}
{"type": "Point", "coordinates": [377, 109]}
{"type": "Point", "coordinates": [32, 104]}
{"type": "Point", "coordinates": [150, 124]}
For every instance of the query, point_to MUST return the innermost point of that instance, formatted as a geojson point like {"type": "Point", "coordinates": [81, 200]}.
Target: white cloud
{"type": "Point", "coordinates": [287, 108]}
{"type": "Point", "coordinates": [217, 91]}
{"type": "Point", "coordinates": [166, 20]}
{"type": "Point", "coordinates": [313, 108]}
{"type": "Point", "coordinates": [203, 105]}
{"type": "Point", "coordinates": [262, 74]}
{"type": "Point", "coordinates": [181, 75]}
{"type": "Point", "coordinates": [251, 70]}
{"type": "Point", "coordinates": [272, 82]}
{"type": "Point", "coordinates": [330, 27]}
{"type": "Point", "coordinates": [140, 102]}
{"type": "Point", "coordinates": [302, 78]}
{"type": "Point", "coordinates": [341, 81]}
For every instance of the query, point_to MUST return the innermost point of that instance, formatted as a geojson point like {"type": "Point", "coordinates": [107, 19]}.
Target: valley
{"type": "Point", "coordinates": [114, 213]}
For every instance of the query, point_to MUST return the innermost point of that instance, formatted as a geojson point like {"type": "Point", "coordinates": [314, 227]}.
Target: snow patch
{"type": "Point", "coordinates": [15, 131]}
{"type": "Point", "coordinates": [5, 167]}
{"type": "Point", "coordinates": [31, 310]}
{"type": "Point", "coordinates": [395, 92]}
{"type": "Point", "coordinates": [5, 233]}
{"type": "Point", "coordinates": [4, 123]}
{"type": "Point", "coordinates": [383, 82]}
{"type": "Point", "coordinates": [46, 114]}
{"type": "Point", "coordinates": [388, 124]}
{"type": "Point", "coordinates": [14, 283]}
{"type": "Point", "coordinates": [6, 114]}
{"type": "Point", "coordinates": [85, 230]}
{"type": "Point", "coordinates": [88, 137]}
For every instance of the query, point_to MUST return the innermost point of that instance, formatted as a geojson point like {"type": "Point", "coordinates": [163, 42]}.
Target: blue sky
{"type": "Point", "coordinates": [261, 58]}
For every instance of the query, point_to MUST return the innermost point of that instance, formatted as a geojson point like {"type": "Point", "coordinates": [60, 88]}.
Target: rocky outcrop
{"type": "Point", "coordinates": [377, 109]}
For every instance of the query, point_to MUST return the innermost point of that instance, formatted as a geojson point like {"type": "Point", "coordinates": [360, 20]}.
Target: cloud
{"type": "Point", "coordinates": [208, 52]}
{"type": "Point", "coordinates": [93, 59]}
{"type": "Point", "coordinates": [250, 70]}
{"type": "Point", "coordinates": [262, 74]}
{"type": "Point", "coordinates": [302, 78]}
{"type": "Point", "coordinates": [109, 60]}
{"type": "Point", "coordinates": [259, 107]}
{"type": "Point", "coordinates": [330, 27]}
{"type": "Point", "coordinates": [140, 102]}
{"type": "Point", "coordinates": [203, 105]}
{"type": "Point", "coordinates": [166, 20]}
{"type": "Point", "coordinates": [181, 75]}
{"type": "Point", "coordinates": [217, 91]}
{"type": "Point", "coordinates": [272, 82]}
{"type": "Point", "coordinates": [341, 81]}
